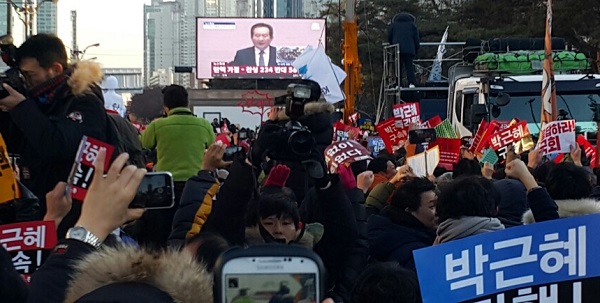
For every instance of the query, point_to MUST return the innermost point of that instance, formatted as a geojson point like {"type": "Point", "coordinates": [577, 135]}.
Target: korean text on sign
{"type": "Point", "coordinates": [28, 243]}
{"type": "Point", "coordinates": [509, 135]}
{"type": "Point", "coordinates": [344, 152]}
{"type": "Point", "coordinates": [83, 168]}
{"type": "Point", "coordinates": [557, 137]}
{"type": "Point", "coordinates": [407, 113]}
{"type": "Point", "coordinates": [392, 136]}
{"type": "Point", "coordinates": [541, 253]}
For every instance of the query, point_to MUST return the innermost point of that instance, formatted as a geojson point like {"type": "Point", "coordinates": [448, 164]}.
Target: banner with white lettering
{"type": "Point", "coordinates": [345, 152]}
{"type": "Point", "coordinates": [407, 113]}
{"type": "Point", "coordinates": [29, 244]}
{"type": "Point", "coordinates": [509, 264]}
{"type": "Point", "coordinates": [82, 172]}
{"type": "Point", "coordinates": [557, 137]}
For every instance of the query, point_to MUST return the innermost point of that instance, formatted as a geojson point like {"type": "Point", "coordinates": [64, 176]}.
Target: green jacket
{"type": "Point", "coordinates": [180, 140]}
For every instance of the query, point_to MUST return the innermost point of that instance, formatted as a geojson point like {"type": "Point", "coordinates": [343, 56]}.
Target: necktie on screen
{"type": "Point", "coordinates": [261, 58]}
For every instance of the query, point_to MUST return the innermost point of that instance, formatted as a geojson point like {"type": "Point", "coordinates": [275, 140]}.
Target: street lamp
{"type": "Point", "coordinates": [78, 55]}
{"type": "Point", "coordinates": [28, 12]}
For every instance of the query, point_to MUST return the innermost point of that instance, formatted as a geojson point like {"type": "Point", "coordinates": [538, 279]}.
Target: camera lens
{"type": "Point", "coordinates": [301, 142]}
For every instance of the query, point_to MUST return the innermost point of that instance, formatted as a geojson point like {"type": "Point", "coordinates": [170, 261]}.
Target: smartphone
{"type": "Point", "coordinates": [155, 192]}
{"type": "Point", "coordinates": [419, 136]}
{"type": "Point", "coordinates": [269, 273]}
{"type": "Point", "coordinates": [231, 152]}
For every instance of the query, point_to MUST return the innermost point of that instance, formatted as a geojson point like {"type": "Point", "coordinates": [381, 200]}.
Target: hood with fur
{"type": "Point", "coordinates": [310, 109]}
{"type": "Point", "coordinates": [310, 237]}
{"type": "Point", "coordinates": [174, 272]}
{"type": "Point", "coordinates": [569, 208]}
{"type": "Point", "coordinates": [86, 76]}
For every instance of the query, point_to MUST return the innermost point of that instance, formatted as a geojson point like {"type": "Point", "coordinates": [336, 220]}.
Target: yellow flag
{"type": "Point", "coordinates": [8, 182]}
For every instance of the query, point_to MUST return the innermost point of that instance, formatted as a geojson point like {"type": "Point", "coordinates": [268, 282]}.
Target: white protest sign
{"type": "Point", "coordinates": [424, 164]}
{"type": "Point", "coordinates": [557, 137]}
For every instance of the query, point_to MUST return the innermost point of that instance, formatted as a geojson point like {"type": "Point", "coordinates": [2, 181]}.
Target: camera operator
{"type": "Point", "coordinates": [297, 136]}
{"type": "Point", "coordinates": [45, 124]}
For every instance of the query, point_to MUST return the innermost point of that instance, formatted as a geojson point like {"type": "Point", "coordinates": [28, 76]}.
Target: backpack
{"type": "Point", "coordinates": [125, 139]}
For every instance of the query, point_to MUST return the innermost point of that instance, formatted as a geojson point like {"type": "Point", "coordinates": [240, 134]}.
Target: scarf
{"type": "Point", "coordinates": [46, 91]}
{"type": "Point", "coordinates": [454, 229]}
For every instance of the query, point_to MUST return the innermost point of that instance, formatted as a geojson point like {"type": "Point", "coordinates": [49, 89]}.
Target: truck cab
{"type": "Point", "coordinates": [474, 95]}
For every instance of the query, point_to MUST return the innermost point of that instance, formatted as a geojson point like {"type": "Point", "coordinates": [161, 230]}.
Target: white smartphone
{"type": "Point", "coordinates": [269, 273]}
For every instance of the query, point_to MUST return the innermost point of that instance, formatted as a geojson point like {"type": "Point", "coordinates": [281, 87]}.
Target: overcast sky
{"type": "Point", "coordinates": [118, 26]}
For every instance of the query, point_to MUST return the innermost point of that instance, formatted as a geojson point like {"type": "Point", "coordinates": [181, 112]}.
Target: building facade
{"type": "Point", "coordinates": [47, 18]}
{"type": "Point", "coordinates": [162, 40]}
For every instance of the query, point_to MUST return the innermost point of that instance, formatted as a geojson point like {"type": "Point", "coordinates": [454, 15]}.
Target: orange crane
{"type": "Point", "coordinates": [352, 66]}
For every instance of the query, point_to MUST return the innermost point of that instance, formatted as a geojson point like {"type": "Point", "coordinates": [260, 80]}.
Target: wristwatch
{"type": "Point", "coordinates": [79, 233]}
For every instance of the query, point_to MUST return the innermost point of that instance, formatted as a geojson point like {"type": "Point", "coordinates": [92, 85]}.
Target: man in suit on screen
{"type": "Point", "coordinates": [262, 53]}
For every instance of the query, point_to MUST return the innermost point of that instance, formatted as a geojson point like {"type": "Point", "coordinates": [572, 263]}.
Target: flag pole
{"type": "Point", "coordinates": [549, 110]}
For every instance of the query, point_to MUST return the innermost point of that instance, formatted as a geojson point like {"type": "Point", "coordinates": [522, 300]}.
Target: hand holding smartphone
{"type": "Point", "coordinates": [269, 273]}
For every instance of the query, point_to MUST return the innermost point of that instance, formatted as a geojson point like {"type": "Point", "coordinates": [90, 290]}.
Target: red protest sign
{"type": "Point", "coordinates": [223, 138]}
{"type": "Point", "coordinates": [83, 168]}
{"type": "Point", "coordinates": [509, 135]}
{"type": "Point", "coordinates": [588, 149]}
{"type": "Point", "coordinates": [391, 135]}
{"type": "Point", "coordinates": [407, 113]}
{"type": "Point", "coordinates": [340, 131]}
{"type": "Point", "coordinates": [449, 151]}
{"type": "Point", "coordinates": [478, 137]}
{"type": "Point", "coordinates": [344, 152]}
{"type": "Point", "coordinates": [29, 244]}
{"type": "Point", "coordinates": [433, 122]}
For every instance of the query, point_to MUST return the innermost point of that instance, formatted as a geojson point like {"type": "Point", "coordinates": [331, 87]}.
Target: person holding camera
{"type": "Point", "coordinates": [44, 119]}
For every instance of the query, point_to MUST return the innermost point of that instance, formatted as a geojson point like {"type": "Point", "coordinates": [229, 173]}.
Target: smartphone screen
{"type": "Point", "coordinates": [270, 280]}
{"type": "Point", "coordinates": [155, 192]}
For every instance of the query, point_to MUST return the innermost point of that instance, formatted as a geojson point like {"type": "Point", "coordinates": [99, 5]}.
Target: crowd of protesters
{"type": "Point", "coordinates": [364, 221]}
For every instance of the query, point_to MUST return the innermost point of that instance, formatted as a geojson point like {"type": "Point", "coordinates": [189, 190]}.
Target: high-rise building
{"type": "Point", "coordinates": [47, 17]}
{"type": "Point", "coordinates": [162, 41]}
{"type": "Point", "coordinates": [280, 8]}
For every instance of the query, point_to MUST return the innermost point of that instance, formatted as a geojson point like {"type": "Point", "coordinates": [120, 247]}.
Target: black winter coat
{"type": "Point", "coordinates": [47, 136]}
{"type": "Point", "coordinates": [395, 234]}
{"type": "Point", "coordinates": [356, 261]}
{"type": "Point", "coordinates": [403, 32]}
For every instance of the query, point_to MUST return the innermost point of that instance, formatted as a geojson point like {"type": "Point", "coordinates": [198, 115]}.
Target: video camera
{"type": "Point", "coordinates": [12, 76]}
{"type": "Point", "coordinates": [300, 141]}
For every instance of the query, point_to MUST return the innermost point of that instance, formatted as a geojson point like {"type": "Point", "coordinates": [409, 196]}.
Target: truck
{"type": "Point", "coordinates": [476, 93]}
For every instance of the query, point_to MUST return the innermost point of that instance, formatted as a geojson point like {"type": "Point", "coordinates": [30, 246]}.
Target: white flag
{"type": "Point", "coordinates": [436, 69]}
{"type": "Point", "coordinates": [314, 64]}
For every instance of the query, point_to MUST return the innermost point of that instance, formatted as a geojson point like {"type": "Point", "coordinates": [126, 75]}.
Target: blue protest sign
{"type": "Point", "coordinates": [533, 260]}
{"type": "Point", "coordinates": [375, 145]}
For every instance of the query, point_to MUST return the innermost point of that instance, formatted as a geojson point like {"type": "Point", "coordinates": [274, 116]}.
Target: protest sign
{"type": "Point", "coordinates": [587, 148]}
{"type": "Point", "coordinates": [449, 151]}
{"type": "Point", "coordinates": [9, 189]}
{"type": "Point", "coordinates": [423, 164]}
{"type": "Point", "coordinates": [393, 137]}
{"type": "Point", "coordinates": [489, 156]}
{"type": "Point", "coordinates": [83, 169]}
{"type": "Point", "coordinates": [375, 145]}
{"type": "Point", "coordinates": [557, 137]}
{"type": "Point", "coordinates": [29, 244]}
{"type": "Point", "coordinates": [344, 152]}
{"type": "Point", "coordinates": [478, 139]}
{"type": "Point", "coordinates": [406, 113]}
{"type": "Point", "coordinates": [503, 140]}
{"type": "Point", "coordinates": [446, 130]}
{"type": "Point", "coordinates": [433, 122]}
{"type": "Point", "coordinates": [502, 265]}
{"type": "Point", "coordinates": [366, 124]}
{"type": "Point", "coordinates": [223, 138]}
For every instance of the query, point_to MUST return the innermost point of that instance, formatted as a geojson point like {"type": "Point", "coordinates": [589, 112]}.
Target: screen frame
{"type": "Point", "coordinates": [269, 266]}
{"type": "Point", "coordinates": [270, 251]}
{"type": "Point", "coordinates": [322, 41]}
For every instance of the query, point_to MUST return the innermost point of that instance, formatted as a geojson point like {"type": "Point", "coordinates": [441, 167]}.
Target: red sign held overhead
{"type": "Point", "coordinates": [344, 152]}
{"type": "Point", "coordinates": [392, 136]}
{"type": "Point", "coordinates": [449, 151]}
{"type": "Point", "coordinates": [407, 113]}
{"type": "Point", "coordinates": [81, 175]}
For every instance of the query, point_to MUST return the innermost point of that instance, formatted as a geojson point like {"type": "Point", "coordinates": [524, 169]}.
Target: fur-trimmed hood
{"type": "Point", "coordinates": [569, 208]}
{"type": "Point", "coordinates": [85, 77]}
{"type": "Point", "coordinates": [311, 236]}
{"type": "Point", "coordinates": [174, 272]}
{"type": "Point", "coordinates": [311, 108]}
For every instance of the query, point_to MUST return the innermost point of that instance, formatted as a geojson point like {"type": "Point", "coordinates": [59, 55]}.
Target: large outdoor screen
{"type": "Point", "coordinates": [253, 48]}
